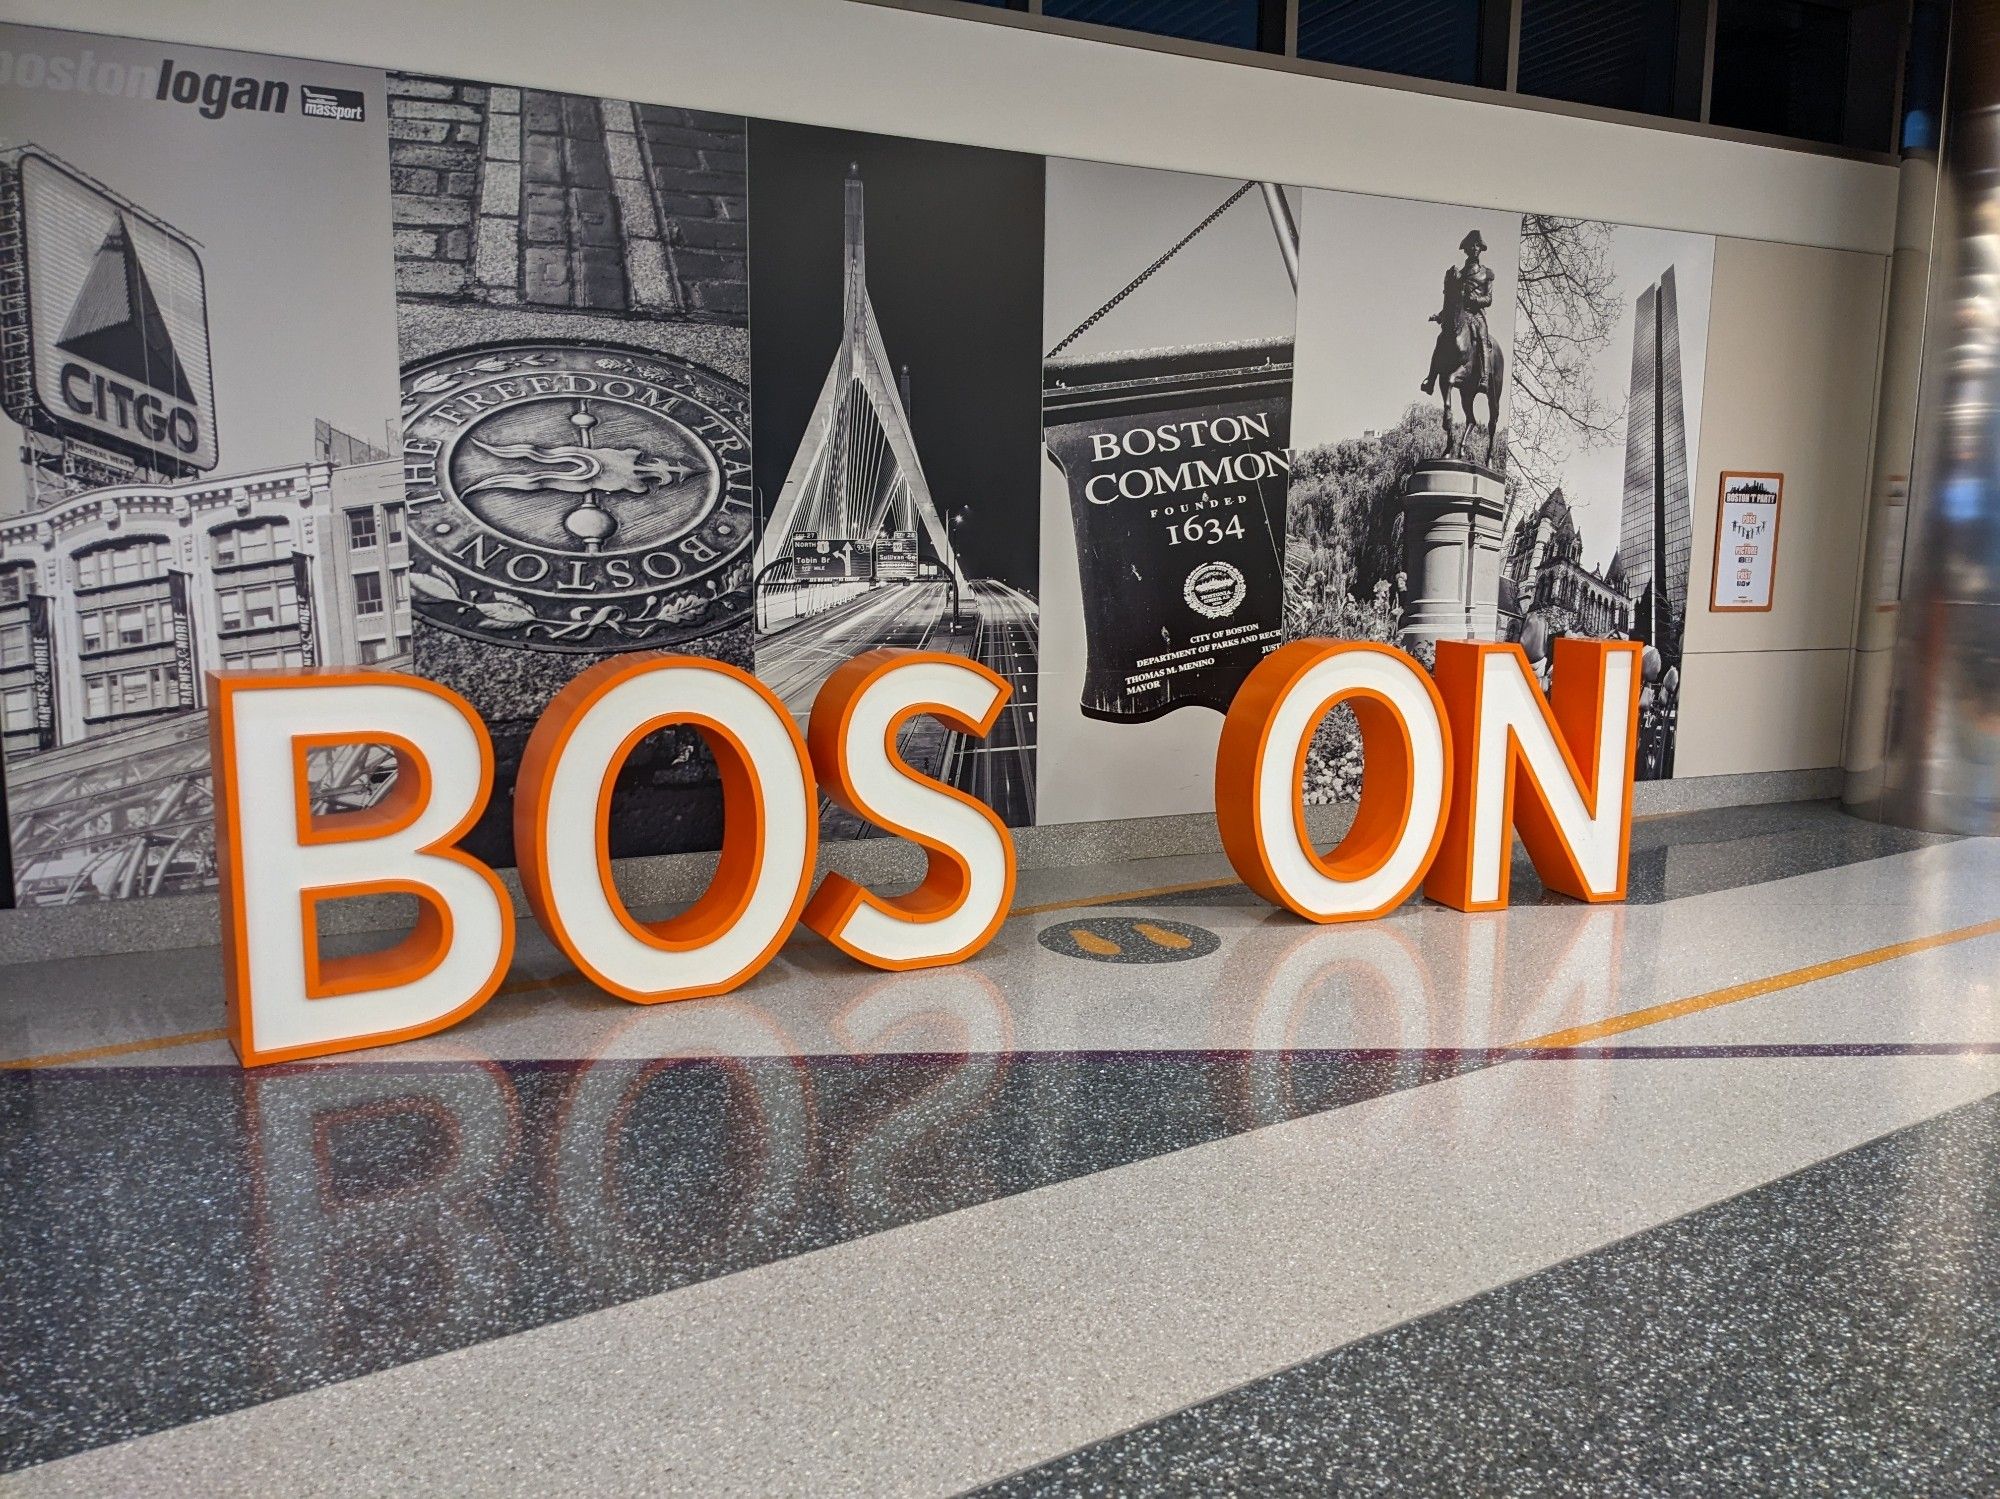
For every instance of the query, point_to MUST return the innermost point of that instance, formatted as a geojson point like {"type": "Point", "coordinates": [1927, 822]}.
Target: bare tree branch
{"type": "Point", "coordinates": [1565, 310]}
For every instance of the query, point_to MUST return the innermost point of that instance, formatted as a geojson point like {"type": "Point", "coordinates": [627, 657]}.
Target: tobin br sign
{"type": "Point", "coordinates": [116, 323]}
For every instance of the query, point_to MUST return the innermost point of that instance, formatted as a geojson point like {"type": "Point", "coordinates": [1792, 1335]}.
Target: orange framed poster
{"type": "Point", "coordinates": [1746, 543]}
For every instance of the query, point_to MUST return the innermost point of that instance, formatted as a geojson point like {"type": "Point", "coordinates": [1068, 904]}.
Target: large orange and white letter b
{"type": "Point", "coordinates": [278, 861]}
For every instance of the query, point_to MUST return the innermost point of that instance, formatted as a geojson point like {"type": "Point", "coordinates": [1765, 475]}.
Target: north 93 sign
{"type": "Point", "coordinates": [118, 322]}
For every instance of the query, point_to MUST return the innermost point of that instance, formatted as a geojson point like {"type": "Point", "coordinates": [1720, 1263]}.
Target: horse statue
{"type": "Point", "coordinates": [1465, 357]}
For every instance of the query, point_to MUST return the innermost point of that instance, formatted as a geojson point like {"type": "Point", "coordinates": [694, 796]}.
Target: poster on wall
{"type": "Point", "coordinates": [1606, 410]}
{"type": "Point", "coordinates": [198, 424]}
{"type": "Point", "coordinates": [1168, 321]}
{"type": "Point", "coordinates": [897, 288]}
{"type": "Point", "coordinates": [1746, 543]}
{"type": "Point", "coordinates": [573, 312]}
{"type": "Point", "coordinates": [1406, 330]}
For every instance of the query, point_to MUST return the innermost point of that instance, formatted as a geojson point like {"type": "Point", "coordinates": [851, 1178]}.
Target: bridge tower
{"type": "Point", "coordinates": [856, 475]}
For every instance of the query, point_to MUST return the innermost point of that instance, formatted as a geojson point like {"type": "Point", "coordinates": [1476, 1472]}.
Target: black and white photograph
{"type": "Point", "coordinates": [573, 308]}
{"type": "Point", "coordinates": [1399, 485]}
{"type": "Point", "coordinates": [1168, 323]}
{"type": "Point", "coordinates": [1612, 343]}
{"type": "Point", "coordinates": [198, 440]}
{"type": "Point", "coordinates": [897, 288]}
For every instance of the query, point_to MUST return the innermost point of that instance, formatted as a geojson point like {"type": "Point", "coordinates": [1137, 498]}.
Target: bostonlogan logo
{"type": "Point", "coordinates": [212, 94]}
{"type": "Point", "coordinates": [330, 103]}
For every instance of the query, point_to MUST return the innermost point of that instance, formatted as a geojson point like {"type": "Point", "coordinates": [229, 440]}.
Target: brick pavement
{"type": "Point", "coordinates": [519, 197]}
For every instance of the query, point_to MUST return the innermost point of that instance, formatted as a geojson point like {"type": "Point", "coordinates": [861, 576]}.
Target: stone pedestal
{"type": "Point", "coordinates": [1451, 551]}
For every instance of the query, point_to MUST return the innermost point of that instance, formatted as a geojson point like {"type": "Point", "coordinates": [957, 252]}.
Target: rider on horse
{"type": "Point", "coordinates": [1464, 357]}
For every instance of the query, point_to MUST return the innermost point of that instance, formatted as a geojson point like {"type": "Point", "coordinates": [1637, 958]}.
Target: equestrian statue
{"type": "Point", "coordinates": [1465, 357]}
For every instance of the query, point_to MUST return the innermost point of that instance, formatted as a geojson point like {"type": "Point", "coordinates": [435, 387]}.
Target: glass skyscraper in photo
{"type": "Point", "coordinates": [1657, 532]}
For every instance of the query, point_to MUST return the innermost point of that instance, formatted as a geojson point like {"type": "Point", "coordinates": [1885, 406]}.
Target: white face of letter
{"type": "Point", "coordinates": [1419, 782]}
{"type": "Point", "coordinates": [768, 845]}
{"type": "Point", "coordinates": [1510, 704]}
{"type": "Point", "coordinates": [965, 897]}
{"type": "Point", "coordinates": [274, 855]}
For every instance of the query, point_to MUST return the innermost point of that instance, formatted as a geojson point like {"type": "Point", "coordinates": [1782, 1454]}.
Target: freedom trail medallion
{"type": "Point", "coordinates": [577, 497]}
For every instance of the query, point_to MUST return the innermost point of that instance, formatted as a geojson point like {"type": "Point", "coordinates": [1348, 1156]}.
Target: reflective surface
{"type": "Point", "coordinates": [1941, 768]}
{"type": "Point", "coordinates": [1431, 1202]}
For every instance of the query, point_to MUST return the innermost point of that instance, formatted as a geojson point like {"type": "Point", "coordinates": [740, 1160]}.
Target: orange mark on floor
{"type": "Point", "coordinates": [1119, 896]}
{"type": "Point", "coordinates": [1694, 1004]}
{"type": "Point", "coordinates": [121, 1049]}
{"type": "Point", "coordinates": [1159, 936]}
{"type": "Point", "coordinates": [1104, 947]}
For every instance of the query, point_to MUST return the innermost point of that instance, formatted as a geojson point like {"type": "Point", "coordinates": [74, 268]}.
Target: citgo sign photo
{"type": "Point", "coordinates": [1456, 761]}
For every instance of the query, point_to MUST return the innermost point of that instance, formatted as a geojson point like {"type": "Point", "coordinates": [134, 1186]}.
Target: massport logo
{"type": "Point", "coordinates": [331, 103]}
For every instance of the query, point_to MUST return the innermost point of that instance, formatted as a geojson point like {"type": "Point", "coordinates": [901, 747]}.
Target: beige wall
{"type": "Point", "coordinates": [1793, 351]}
{"type": "Point", "coordinates": [1798, 280]}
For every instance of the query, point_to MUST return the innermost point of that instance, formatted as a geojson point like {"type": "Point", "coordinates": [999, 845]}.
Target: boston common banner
{"type": "Point", "coordinates": [308, 365]}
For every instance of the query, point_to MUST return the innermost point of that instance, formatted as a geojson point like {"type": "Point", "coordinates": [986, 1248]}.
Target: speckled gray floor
{"type": "Point", "coordinates": [1835, 1332]}
{"type": "Point", "coordinates": [883, 1234]}
{"type": "Point", "coordinates": [180, 1242]}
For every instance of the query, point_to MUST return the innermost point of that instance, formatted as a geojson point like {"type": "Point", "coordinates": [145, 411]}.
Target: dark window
{"type": "Point", "coordinates": [253, 541]}
{"type": "Point", "coordinates": [1619, 54]}
{"type": "Point", "coordinates": [1419, 38]}
{"type": "Point", "coordinates": [1812, 71]}
{"type": "Point", "coordinates": [1923, 80]}
{"type": "Point", "coordinates": [123, 562]}
{"type": "Point", "coordinates": [1781, 67]}
{"type": "Point", "coordinates": [1226, 23]}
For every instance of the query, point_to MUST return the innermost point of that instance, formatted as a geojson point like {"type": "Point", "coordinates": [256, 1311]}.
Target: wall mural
{"type": "Point", "coordinates": [1166, 404]}
{"type": "Point", "coordinates": [572, 315]}
{"type": "Point", "coordinates": [456, 378]}
{"type": "Point", "coordinates": [898, 289]}
{"type": "Point", "coordinates": [198, 370]}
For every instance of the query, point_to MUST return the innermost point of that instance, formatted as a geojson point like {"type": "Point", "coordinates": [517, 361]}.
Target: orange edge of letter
{"type": "Point", "coordinates": [427, 943]}
{"type": "Point", "coordinates": [947, 877]}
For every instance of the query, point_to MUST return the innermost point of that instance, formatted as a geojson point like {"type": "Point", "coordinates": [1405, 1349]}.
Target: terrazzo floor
{"type": "Point", "coordinates": [1168, 1193]}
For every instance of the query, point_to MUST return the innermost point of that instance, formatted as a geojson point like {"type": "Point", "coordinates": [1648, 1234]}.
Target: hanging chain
{"type": "Point", "coordinates": [1139, 280]}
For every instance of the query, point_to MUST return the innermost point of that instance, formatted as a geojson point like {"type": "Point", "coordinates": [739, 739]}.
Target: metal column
{"type": "Point", "coordinates": [1924, 741]}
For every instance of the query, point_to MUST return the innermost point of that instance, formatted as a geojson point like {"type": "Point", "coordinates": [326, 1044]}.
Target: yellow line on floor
{"type": "Point", "coordinates": [1227, 882]}
{"type": "Point", "coordinates": [1119, 896]}
{"type": "Point", "coordinates": [122, 1049]}
{"type": "Point", "coordinates": [1673, 1009]}
{"type": "Point", "coordinates": [526, 985]}
{"type": "Point", "coordinates": [1579, 1036]}
{"type": "Point", "coordinates": [1112, 898]}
